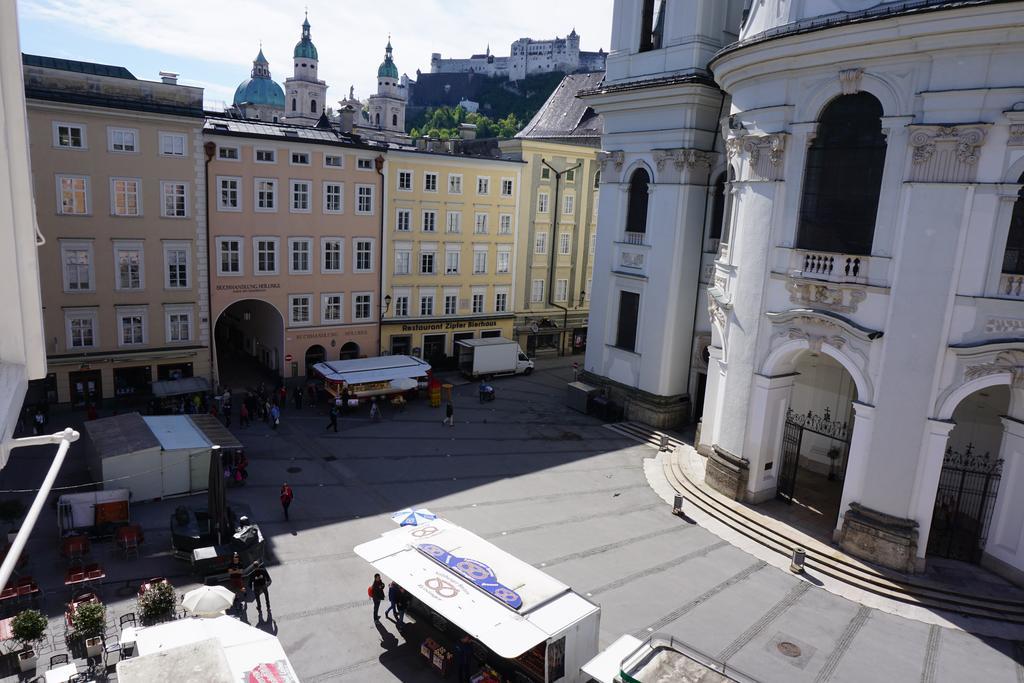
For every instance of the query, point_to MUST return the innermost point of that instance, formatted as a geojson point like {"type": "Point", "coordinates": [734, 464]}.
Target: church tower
{"type": "Point", "coordinates": [387, 107]}
{"type": "Point", "coordinates": [306, 95]}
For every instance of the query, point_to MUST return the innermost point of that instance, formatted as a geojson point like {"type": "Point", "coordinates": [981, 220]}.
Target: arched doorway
{"type": "Point", "coordinates": [249, 343]}
{"type": "Point", "coordinates": [314, 354]}
{"type": "Point", "coordinates": [349, 350]}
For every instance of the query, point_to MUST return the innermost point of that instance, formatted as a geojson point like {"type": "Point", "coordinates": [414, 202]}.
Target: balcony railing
{"type": "Point", "coordinates": [635, 238]}
{"type": "Point", "coordinates": [833, 267]}
{"type": "Point", "coordinates": [1011, 286]}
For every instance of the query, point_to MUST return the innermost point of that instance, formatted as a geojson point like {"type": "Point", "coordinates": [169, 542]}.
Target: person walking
{"type": "Point", "coordinates": [227, 413]}
{"type": "Point", "coordinates": [38, 421]}
{"type": "Point", "coordinates": [374, 410]}
{"type": "Point", "coordinates": [334, 419]}
{"type": "Point", "coordinates": [282, 396]}
{"type": "Point", "coordinates": [275, 416]}
{"type": "Point", "coordinates": [266, 410]}
{"type": "Point", "coordinates": [286, 498]}
{"type": "Point", "coordinates": [449, 415]}
{"type": "Point", "coordinates": [392, 600]}
{"type": "Point", "coordinates": [401, 604]}
{"type": "Point", "coordinates": [298, 397]}
{"type": "Point", "coordinates": [377, 595]}
{"type": "Point", "coordinates": [243, 415]}
{"type": "Point", "coordinates": [259, 583]}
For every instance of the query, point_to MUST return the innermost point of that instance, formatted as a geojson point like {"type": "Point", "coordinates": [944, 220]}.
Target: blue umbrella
{"type": "Point", "coordinates": [413, 516]}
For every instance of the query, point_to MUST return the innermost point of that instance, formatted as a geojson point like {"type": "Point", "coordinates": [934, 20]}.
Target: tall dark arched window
{"type": "Point", "coordinates": [636, 213]}
{"type": "Point", "coordinates": [394, 119]}
{"type": "Point", "coordinates": [843, 177]}
{"type": "Point", "coordinates": [717, 209]}
{"type": "Point", "coordinates": [377, 119]}
{"type": "Point", "coordinates": [312, 106]}
{"type": "Point", "coordinates": [1013, 257]}
{"type": "Point", "coordinates": [293, 104]}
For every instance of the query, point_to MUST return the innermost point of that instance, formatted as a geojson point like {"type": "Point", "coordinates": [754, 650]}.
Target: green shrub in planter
{"type": "Point", "coordinates": [29, 627]}
{"type": "Point", "coordinates": [157, 603]}
{"type": "Point", "coordinates": [90, 620]}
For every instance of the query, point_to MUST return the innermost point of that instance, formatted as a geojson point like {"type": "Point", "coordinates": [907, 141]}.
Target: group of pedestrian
{"type": "Point", "coordinates": [259, 584]}
{"type": "Point", "coordinates": [398, 600]}
{"type": "Point", "coordinates": [261, 404]}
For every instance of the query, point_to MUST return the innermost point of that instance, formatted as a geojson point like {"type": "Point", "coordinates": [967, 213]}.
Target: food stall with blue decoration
{"type": "Point", "coordinates": [531, 626]}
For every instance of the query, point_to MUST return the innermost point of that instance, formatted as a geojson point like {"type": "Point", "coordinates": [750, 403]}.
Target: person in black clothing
{"type": "Point", "coordinates": [334, 419]}
{"type": "Point", "coordinates": [464, 658]}
{"type": "Point", "coordinates": [392, 600]}
{"type": "Point", "coordinates": [377, 595]}
{"type": "Point", "coordinates": [259, 583]}
{"type": "Point", "coordinates": [298, 397]}
{"type": "Point", "coordinates": [401, 604]}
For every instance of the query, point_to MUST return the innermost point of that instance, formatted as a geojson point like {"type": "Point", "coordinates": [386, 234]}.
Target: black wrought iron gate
{"type": "Point", "coordinates": [792, 440]}
{"type": "Point", "coordinates": [964, 504]}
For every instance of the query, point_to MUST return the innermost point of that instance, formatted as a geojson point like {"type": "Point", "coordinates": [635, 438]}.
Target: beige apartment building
{"type": "Point", "coordinates": [117, 169]}
{"type": "Point", "coordinates": [295, 222]}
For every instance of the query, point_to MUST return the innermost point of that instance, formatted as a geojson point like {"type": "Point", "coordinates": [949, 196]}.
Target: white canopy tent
{"type": "Point", "coordinates": [374, 376]}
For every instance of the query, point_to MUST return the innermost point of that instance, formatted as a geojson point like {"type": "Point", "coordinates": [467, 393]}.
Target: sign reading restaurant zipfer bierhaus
{"type": "Point", "coordinates": [449, 325]}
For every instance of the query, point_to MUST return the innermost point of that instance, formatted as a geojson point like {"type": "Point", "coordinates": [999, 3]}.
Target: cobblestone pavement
{"type": "Point", "coordinates": [554, 488]}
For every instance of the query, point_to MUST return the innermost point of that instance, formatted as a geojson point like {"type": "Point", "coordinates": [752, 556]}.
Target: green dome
{"type": "Point", "coordinates": [304, 49]}
{"type": "Point", "coordinates": [387, 68]}
{"type": "Point", "coordinates": [260, 91]}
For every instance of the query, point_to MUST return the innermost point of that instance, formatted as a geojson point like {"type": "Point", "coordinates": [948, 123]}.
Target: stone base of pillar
{"type": "Point", "coordinates": [880, 538]}
{"type": "Point", "coordinates": [727, 473]}
{"type": "Point", "coordinates": [660, 412]}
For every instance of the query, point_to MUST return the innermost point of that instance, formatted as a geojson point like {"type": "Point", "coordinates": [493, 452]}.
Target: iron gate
{"type": "Point", "coordinates": [792, 440]}
{"type": "Point", "coordinates": [964, 504]}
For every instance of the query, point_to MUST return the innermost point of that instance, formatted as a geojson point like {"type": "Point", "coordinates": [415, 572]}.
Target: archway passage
{"type": "Point", "coordinates": [314, 354]}
{"type": "Point", "coordinates": [349, 350]}
{"type": "Point", "coordinates": [249, 337]}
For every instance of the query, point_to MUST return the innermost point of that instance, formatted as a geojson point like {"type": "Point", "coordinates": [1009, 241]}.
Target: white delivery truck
{"type": "Point", "coordinates": [492, 356]}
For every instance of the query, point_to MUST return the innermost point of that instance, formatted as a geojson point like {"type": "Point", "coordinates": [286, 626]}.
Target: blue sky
{"type": "Point", "coordinates": [212, 44]}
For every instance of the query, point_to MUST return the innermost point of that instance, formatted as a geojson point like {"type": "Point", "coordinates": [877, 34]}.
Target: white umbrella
{"type": "Point", "coordinates": [209, 601]}
{"type": "Point", "coordinates": [412, 516]}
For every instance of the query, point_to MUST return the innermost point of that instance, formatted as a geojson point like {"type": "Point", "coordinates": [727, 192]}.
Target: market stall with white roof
{"type": "Point", "coordinates": [367, 377]}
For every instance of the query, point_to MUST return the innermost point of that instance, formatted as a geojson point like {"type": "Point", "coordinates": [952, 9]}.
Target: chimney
{"type": "Point", "coordinates": [169, 78]}
{"type": "Point", "coordinates": [346, 117]}
{"type": "Point", "coordinates": [467, 131]}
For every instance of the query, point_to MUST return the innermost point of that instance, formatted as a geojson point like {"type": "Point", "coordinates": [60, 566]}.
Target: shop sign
{"type": "Point", "coordinates": [371, 386]}
{"type": "Point", "coordinates": [449, 325]}
{"type": "Point", "coordinates": [248, 287]}
{"type": "Point", "coordinates": [331, 334]}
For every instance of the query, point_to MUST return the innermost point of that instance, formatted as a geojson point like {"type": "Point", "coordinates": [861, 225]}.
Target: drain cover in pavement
{"type": "Point", "coordinates": [789, 649]}
{"type": "Point", "coordinates": [293, 470]}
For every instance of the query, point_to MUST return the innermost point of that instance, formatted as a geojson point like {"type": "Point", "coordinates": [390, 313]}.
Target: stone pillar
{"type": "Point", "coordinates": [1006, 536]}
{"type": "Point", "coordinates": [856, 459]}
{"type": "Point", "coordinates": [712, 400]}
{"type": "Point", "coordinates": [766, 417]}
{"type": "Point", "coordinates": [933, 452]}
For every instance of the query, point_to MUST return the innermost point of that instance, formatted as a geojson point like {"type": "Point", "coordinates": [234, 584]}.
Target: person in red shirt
{"type": "Point", "coordinates": [286, 498]}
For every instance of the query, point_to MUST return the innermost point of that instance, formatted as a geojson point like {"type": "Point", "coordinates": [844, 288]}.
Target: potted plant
{"type": "Point", "coordinates": [28, 629]}
{"type": "Point", "coordinates": [157, 603]}
{"type": "Point", "coordinates": [89, 624]}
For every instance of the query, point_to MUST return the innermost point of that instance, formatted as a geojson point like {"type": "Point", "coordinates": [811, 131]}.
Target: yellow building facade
{"type": "Point", "coordinates": [450, 234]}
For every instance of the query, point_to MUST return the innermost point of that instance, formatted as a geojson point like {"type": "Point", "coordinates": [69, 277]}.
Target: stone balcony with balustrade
{"type": "Point", "coordinates": [631, 254]}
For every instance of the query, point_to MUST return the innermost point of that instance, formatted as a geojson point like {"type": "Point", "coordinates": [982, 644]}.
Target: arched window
{"type": "Point", "coordinates": [843, 177]}
{"type": "Point", "coordinates": [312, 106]}
{"type": "Point", "coordinates": [1013, 257]}
{"type": "Point", "coordinates": [636, 213]}
{"type": "Point", "coordinates": [597, 180]}
{"type": "Point", "coordinates": [717, 209]}
{"type": "Point", "coordinates": [652, 25]}
{"type": "Point", "coordinates": [394, 119]}
{"type": "Point", "coordinates": [293, 104]}
{"type": "Point", "coordinates": [377, 119]}
{"type": "Point", "coordinates": [725, 233]}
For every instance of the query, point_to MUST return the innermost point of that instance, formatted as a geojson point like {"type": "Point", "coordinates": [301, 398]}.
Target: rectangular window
{"type": "Point", "coordinates": [365, 164]}
{"type": "Point", "coordinates": [503, 261]}
{"type": "Point", "coordinates": [505, 224]}
{"type": "Point", "coordinates": [125, 197]}
{"type": "Point", "coordinates": [570, 176]}
{"type": "Point", "coordinates": [332, 308]}
{"type": "Point", "coordinates": [78, 266]}
{"type": "Point", "coordinates": [564, 240]}
{"type": "Point", "coordinates": [298, 307]}
{"type": "Point", "coordinates": [300, 196]}
{"type": "Point", "coordinates": [74, 195]}
{"type": "Point", "coordinates": [179, 325]}
{"type": "Point", "coordinates": [405, 181]}
{"type": "Point", "coordinates": [430, 182]}
{"type": "Point", "coordinates": [333, 198]}
{"type": "Point", "coordinates": [300, 260]}
{"type": "Point", "coordinates": [590, 285]}
{"type": "Point", "coordinates": [454, 183]}
{"type": "Point", "coordinates": [427, 262]}
{"type": "Point", "coordinates": [364, 256]}
{"type": "Point", "coordinates": [364, 199]}
{"type": "Point", "coordinates": [266, 194]}
{"type": "Point", "coordinates": [568, 204]}
{"type": "Point", "coordinates": [128, 261]}
{"type": "Point", "coordinates": [69, 135]}
{"type": "Point", "coordinates": [331, 247]}
{"type": "Point", "coordinates": [478, 303]}
{"type": "Point", "coordinates": [132, 324]}
{"type": "Point", "coordinates": [266, 255]}
{"type": "Point", "coordinates": [429, 221]}
{"type": "Point", "coordinates": [81, 329]}
{"type": "Point", "coordinates": [401, 306]}
{"type": "Point", "coordinates": [454, 223]}
{"type": "Point", "coordinates": [540, 244]}
{"type": "Point", "coordinates": [334, 161]}
{"type": "Point", "coordinates": [506, 187]}
{"type": "Point", "coordinates": [266, 156]}
{"type": "Point", "coordinates": [479, 262]}
{"type": "Point", "coordinates": [451, 262]}
{"type": "Point", "coordinates": [123, 140]}
{"type": "Point", "coordinates": [629, 313]}
{"type": "Point", "coordinates": [402, 260]}
{"type": "Point", "coordinates": [362, 307]}
{"type": "Point", "coordinates": [228, 153]}
{"type": "Point", "coordinates": [176, 265]}
{"type": "Point", "coordinates": [480, 224]}
{"type": "Point", "coordinates": [300, 158]}
{"type": "Point", "coordinates": [175, 199]}
{"type": "Point", "coordinates": [172, 144]}
{"type": "Point", "coordinates": [403, 220]}
{"type": "Point", "coordinates": [593, 243]}
{"type": "Point", "coordinates": [230, 251]}
{"type": "Point", "coordinates": [545, 173]}
{"type": "Point", "coordinates": [542, 202]}
{"type": "Point", "coordinates": [561, 290]}
{"type": "Point", "coordinates": [500, 302]}
{"type": "Point", "coordinates": [451, 304]}
{"type": "Point", "coordinates": [426, 304]}
{"type": "Point", "coordinates": [537, 292]}
{"type": "Point", "coordinates": [229, 197]}
{"type": "Point", "coordinates": [483, 185]}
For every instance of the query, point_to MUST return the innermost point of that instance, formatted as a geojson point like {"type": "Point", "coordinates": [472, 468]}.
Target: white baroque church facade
{"type": "Point", "coordinates": [865, 287]}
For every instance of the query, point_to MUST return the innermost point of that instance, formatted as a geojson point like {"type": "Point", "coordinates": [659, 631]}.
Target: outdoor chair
{"type": "Point", "coordinates": [127, 620]}
{"type": "Point", "coordinates": [111, 645]}
{"type": "Point", "coordinates": [57, 660]}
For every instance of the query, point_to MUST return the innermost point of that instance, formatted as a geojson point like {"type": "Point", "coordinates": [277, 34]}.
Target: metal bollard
{"type": "Point", "coordinates": [677, 504]}
{"type": "Point", "coordinates": [797, 564]}
{"type": "Point", "coordinates": [664, 443]}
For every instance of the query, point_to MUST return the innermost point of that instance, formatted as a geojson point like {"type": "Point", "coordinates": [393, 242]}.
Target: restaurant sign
{"type": "Point", "coordinates": [449, 325]}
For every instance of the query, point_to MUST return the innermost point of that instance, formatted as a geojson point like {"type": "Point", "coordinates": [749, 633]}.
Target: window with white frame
{"type": "Point", "coordinates": [266, 194]}
{"type": "Point", "coordinates": [300, 190]}
{"type": "Point", "coordinates": [545, 173]}
{"type": "Point", "coordinates": [540, 243]}
{"type": "Point", "coordinates": [332, 260]}
{"type": "Point", "coordinates": [128, 260]}
{"type": "Point", "coordinates": [177, 260]}
{"type": "Point", "coordinates": [478, 302]}
{"type": "Point", "coordinates": [505, 224]}
{"type": "Point", "coordinates": [266, 156]}
{"type": "Point", "coordinates": [365, 164]}
{"type": "Point", "coordinates": [500, 301]}
{"type": "Point", "coordinates": [123, 140]}
{"type": "Point", "coordinates": [454, 222]}
{"type": "Point", "coordinates": [426, 304]}
{"type": "Point", "coordinates": [451, 302]}
{"type": "Point", "coordinates": [228, 153]}
{"type": "Point", "coordinates": [131, 325]}
{"type": "Point", "coordinates": [124, 197]}
{"type": "Point", "coordinates": [570, 175]}
{"type": "Point", "coordinates": [561, 290]}
{"type": "Point", "coordinates": [362, 306]}
{"type": "Point", "coordinates": [405, 181]}
{"type": "Point", "coordinates": [334, 194]}
{"type": "Point", "coordinates": [300, 250]}
{"type": "Point", "coordinates": [175, 199]}
{"type": "Point", "coordinates": [568, 204]}
{"type": "Point", "coordinates": [401, 305]}
{"type": "Point", "coordinates": [430, 182]}
{"type": "Point", "coordinates": [178, 324]}
{"type": "Point", "coordinates": [403, 220]}
{"type": "Point", "coordinates": [506, 187]}
{"type": "Point", "coordinates": [479, 260]}
{"type": "Point", "coordinates": [454, 183]}
{"type": "Point", "coordinates": [480, 224]}
{"type": "Point", "coordinates": [364, 200]}
{"type": "Point", "coordinates": [504, 259]}
{"type": "Point", "coordinates": [451, 260]}
{"type": "Point", "coordinates": [69, 135]}
{"type": "Point", "coordinates": [331, 307]}
{"type": "Point", "coordinates": [403, 258]}
{"type": "Point", "coordinates": [427, 262]}
{"type": "Point", "coordinates": [298, 309]}
{"type": "Point", "coordinates": [80, 328]}
{"type": "Point", "coordinates": [363, 256]}
{"type": "Point", "coordinates": [229, 256]}
{"type": "Point", "coordinates": [483, 185]}
{"type": "Point", "coordinates": [229, 195]}
{"type": "Point", "coordinates": [564, 240]}
{"type": "Point", "coordinates": [300, 158]}
{"type": "Point", "coordinates": [172, 144]}
{"type": "Point", "coordinates": [334, 161]}
{"type": "Point", "coordinates": [77, 259]}
{"type": "Point", "coordinates": [430, 221]}
{"type": "Point", "coordinates": [73, 195]}
{"type": "Point", "coordinates": [542, 202]}
{"type": "Point", "coordinates": [537, 291]}
{"type": "Point", "coordinates": [265, 255]}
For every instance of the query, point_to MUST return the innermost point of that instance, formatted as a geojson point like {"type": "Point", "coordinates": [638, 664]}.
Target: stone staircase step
{"type": "Point", "coordinates": [644, 434]}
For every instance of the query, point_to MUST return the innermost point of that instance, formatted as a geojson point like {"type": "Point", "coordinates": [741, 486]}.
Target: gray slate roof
{"type": "Point", "coordinates": [564, 116]}
{"type": "Point", "coordinates": [250, 128]}
{"type": "Point", "coordinates": [120, 434]}
{"type": "Point", "coordinates": [90, 68]}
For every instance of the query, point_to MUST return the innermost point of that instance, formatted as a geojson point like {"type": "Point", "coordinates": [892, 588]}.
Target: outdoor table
{"type": "Point", "coordinates": [128, 637]}
{"type": "Point", "coordinates": [61, 674]}
{"type": "Point", "coordinates": [74, 547]}
{"type": "Point", "coordinates": [84, 576]}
